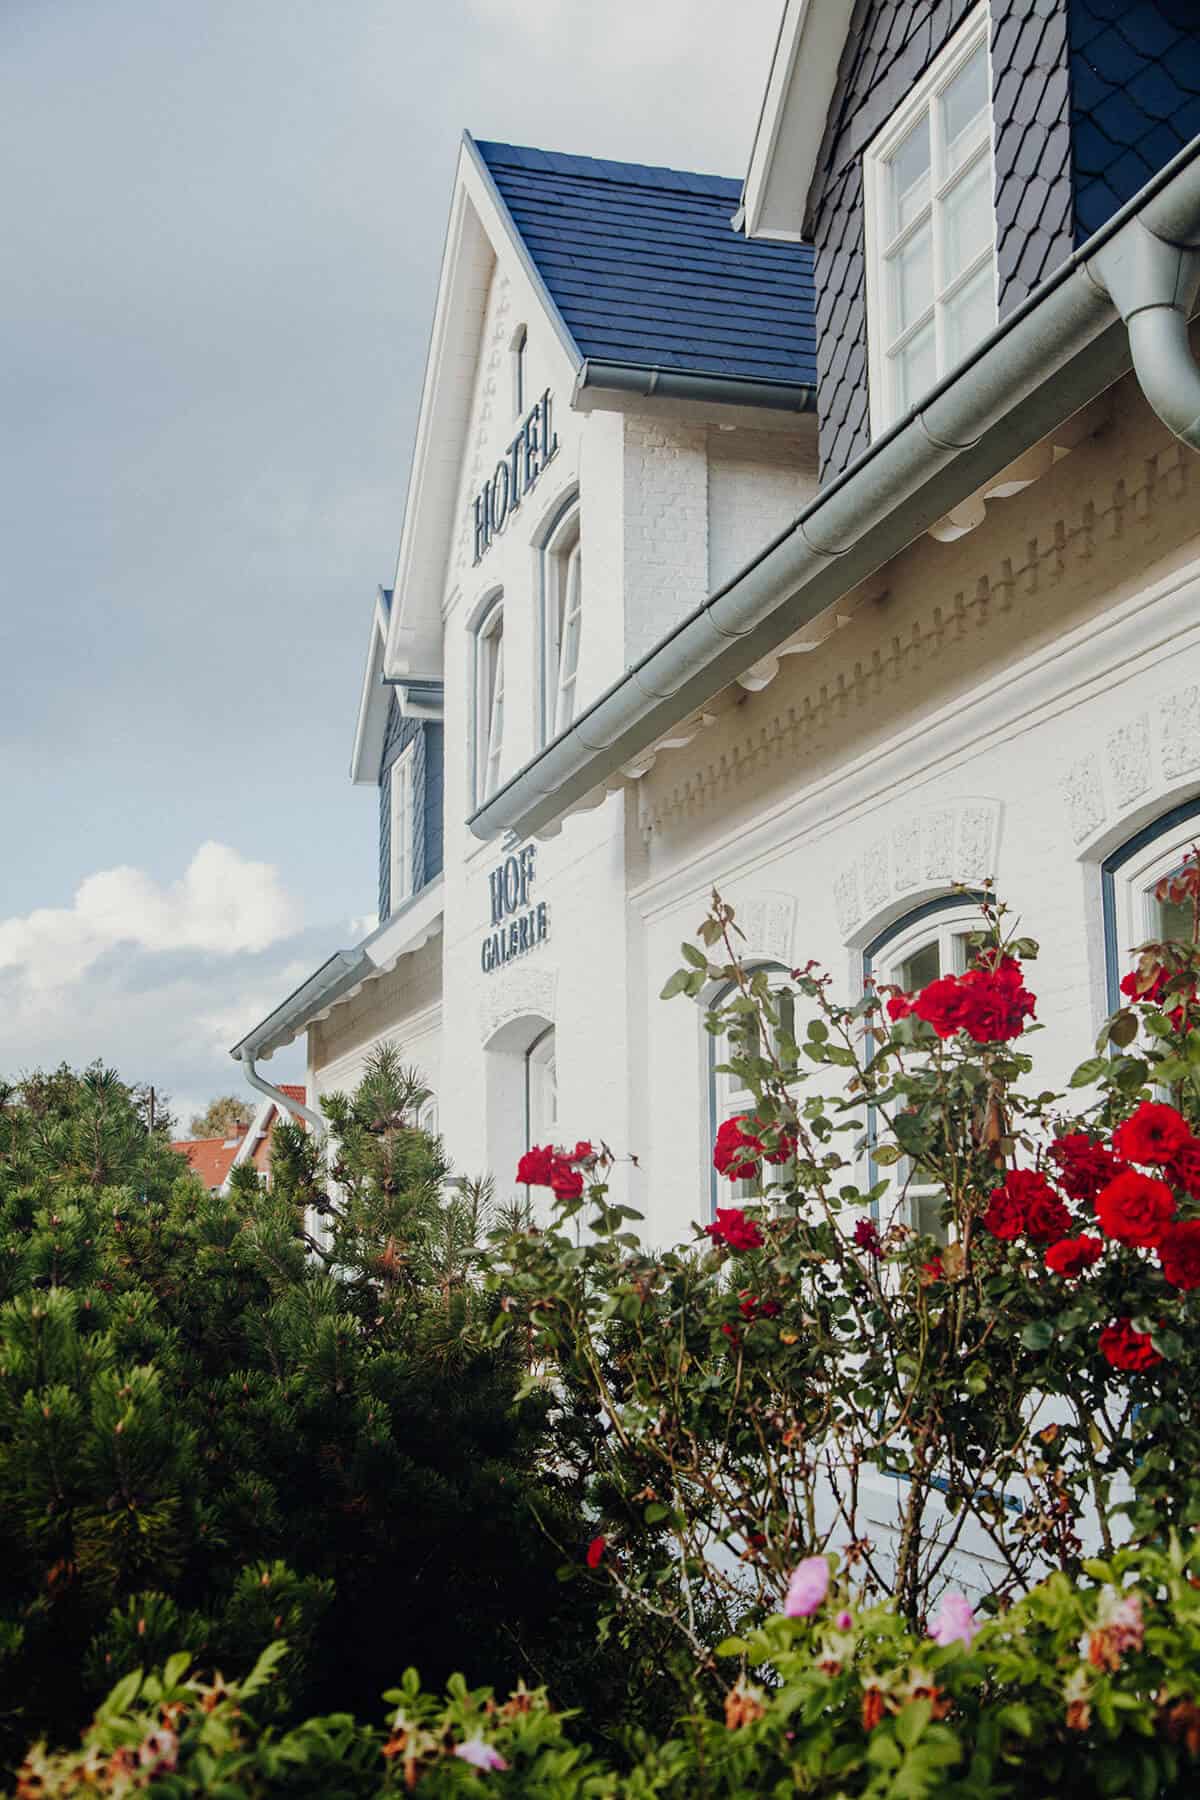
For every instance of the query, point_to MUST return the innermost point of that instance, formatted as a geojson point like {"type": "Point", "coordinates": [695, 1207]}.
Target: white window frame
{"type": "Point", "coordinates": [949, 929]}
{"type": "Point", "coordinates": [488, 656]}
{"type": "Point", "coordinates": [427, 1115]}
{"type": "Point", "coordinates": [726, 1100]}
{"type": "Point", "coordinates": [402, 812]}
{"type": "Point", "coordinates": [562, 623]}
{"type": "Point", "coordinates": [879, 242]}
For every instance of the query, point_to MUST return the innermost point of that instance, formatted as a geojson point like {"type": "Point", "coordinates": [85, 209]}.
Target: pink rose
{"type": "Point", "coordinates": [480, 1755]}
{"type": "Point", "coordinates": [807, 1588]}
{"type": "Point", "coordinates": [954, 1621]}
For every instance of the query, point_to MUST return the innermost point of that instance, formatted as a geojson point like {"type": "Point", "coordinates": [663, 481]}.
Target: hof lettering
{"type": "Point", "coordinates": [534, 446]}
{"type": "Point", "coordinates": [519, 924]}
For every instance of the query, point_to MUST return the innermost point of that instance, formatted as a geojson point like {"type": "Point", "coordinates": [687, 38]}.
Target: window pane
{"type": "Point", "coordinates": [967, 219]}
{"type": "Point", "coordinates": [1173, 921]}
{"type": "Point", "coordinates": [964, 107]}
{"type": "Point", "coordinates": [970, 314]}
{"type": "Point", "coordinates": [908, 177]}
{"type": "Point", "coordinates": [912, 279]}
{"type": "Point", "coordinates": [926, 1213]}
{"type": "Point", "coordinates": [915, 371]}
{"type": "Point", "coordinates": [919, 969]}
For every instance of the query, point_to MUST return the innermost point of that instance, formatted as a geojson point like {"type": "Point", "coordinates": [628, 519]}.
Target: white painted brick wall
{"type": "Point", "coordinates": [757, 483]}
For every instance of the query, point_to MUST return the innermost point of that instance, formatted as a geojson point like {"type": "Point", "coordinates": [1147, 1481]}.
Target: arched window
{"type": "Point", "coordinates": [562, 618]}
{"type": "Point", "coordinates": [1132, 912]}
{"type": "Point", "coordinates": [727, 1097]}
{"type": "Point", "coordinates": [489, 699]}
{"type": "Point", "coordinates": [926, 943]}
{"type": "Point", "coordinates": [541, 1090]}
{"type": "Point", "coordinates": [427, 1115]}
{"type": "Point", "coordinates": [517, 348]}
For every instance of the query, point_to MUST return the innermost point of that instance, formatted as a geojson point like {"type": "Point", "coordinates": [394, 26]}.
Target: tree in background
{"type": "Point", "coordinates": [220, 1118]}
{"type": "Point", "coordinates": [212, 1438]}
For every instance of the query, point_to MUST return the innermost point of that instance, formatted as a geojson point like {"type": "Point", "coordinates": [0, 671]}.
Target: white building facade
{"type": "Point", "coordinates": [833, 566]}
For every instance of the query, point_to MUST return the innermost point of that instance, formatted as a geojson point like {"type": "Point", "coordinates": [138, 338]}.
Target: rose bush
{"type": "Point", "coordinates": [814, 1372]}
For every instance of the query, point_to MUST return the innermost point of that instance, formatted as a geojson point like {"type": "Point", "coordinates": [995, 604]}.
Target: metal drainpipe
{"type": "Point", "coordinates": [282, 1100]}
{"type": "Point", "coordinates": [1151, 273]}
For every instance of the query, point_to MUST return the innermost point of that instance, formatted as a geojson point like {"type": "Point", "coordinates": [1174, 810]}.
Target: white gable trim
{"type": "Point", "coordinates": [371, 727]}
{"type": "Point", "coordinates": [480, 228]}
{"type": "Point", "coordinates": [812, 35]}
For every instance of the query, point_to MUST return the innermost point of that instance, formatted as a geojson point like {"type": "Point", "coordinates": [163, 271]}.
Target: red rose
{"type": "Point", "coordinates": [534, 1167]}
{"type": "Point", "coordinates": [733, 1336]}
{"type": "Point", "coordinates": [933, 1270]}
{"type": "Point", "coordinates": [1025, 1205]}
{"type": "Point", "coordinates": [943, 1004]}
{"type": "Point", "coordinates": [582, 1152]}
{"type": "Point", "coordinates": [1148, 988]}
{"type": "Point", "coordinates": [565, 1181]}
{"type": "Point", "coordinates": [1084, 1168]}
{"type": "Point", "coordinates": [997, 1002]}
{"type": "Point", "coordinates": [1135, 1209]}
{"type": "Point", "coordinates": [751, 1307]}
{"type": "Point", "coordinates": [1152, 1134]}
{"type": "Point", "coordinates": [866, 1236]}
{"type": "Point", "coordinates": [732, 1227]}
{"type": "Point", "coordinates": [899, 1006]}
{"type": "Point", "coordinates": [595, 1552]}
{"type": "Point", "coordinates": [1179, 1254]}
{"type": "Point", "coordinates": [1184, 1169]}
{"type": "Point", "coordinates": [1071, 1256]}
{"type": "Point", "coordinates": [748, 1305]}
{"type": "Point", "coordinates": [736, 1153]}
{"type": "Point", "coordinates": [1126, 1348]}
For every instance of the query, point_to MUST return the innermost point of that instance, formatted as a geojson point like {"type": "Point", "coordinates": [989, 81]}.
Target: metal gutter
{"type": "Point", "coordinates": [653, 380]}
{"type": "Point", "coordinates": [1062, 346]}
{"type": "Point", "coordinates": [343, 970]}
{"type": "Point", "coordinates": [282, 1100]}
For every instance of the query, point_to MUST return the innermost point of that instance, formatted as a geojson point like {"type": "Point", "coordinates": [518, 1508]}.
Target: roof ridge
{"type": "Point", "coordinates": [600, 168]}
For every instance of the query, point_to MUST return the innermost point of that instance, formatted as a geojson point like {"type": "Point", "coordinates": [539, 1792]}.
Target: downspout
{"type": "Point", "coordinates": [283, 1101]}
{"type": "Point", "coordinates": [1151, 272]}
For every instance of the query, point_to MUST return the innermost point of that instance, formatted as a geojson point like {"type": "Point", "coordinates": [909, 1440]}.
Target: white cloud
{"type": "Point", "coordinates": [223, 903]}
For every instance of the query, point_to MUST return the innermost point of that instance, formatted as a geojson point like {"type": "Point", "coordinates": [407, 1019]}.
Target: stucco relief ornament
{"type": "Point", "coordinates": [1179, 728]}
{"type": "Point", "coordinates": [516, 994]}
{"type": "Point", "coordinates": [938, 839]}
{"type": "Point", "coordinates": [1128, 751]}
{"type": "Point", "coordinates": [1083, 792]}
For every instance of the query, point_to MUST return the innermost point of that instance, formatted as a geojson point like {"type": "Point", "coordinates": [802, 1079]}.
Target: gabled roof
{"type": "Point", "coordinates": [646, 270]}
{"type": "Point", "coordinates": [791, 124]}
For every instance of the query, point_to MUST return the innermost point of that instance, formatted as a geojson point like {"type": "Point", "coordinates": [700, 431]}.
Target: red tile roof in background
{"type": "Point", "coordinates": [212, 1158]}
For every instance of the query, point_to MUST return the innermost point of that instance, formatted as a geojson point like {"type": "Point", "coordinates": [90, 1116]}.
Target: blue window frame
{"type": "Point", "coordinates": [1126, 879]}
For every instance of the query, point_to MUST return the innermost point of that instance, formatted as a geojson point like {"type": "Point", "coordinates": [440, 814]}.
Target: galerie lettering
{"type": "Point", "coordinates": [533, 447]}
{"type": "Point", "coordinates": [521, 924]}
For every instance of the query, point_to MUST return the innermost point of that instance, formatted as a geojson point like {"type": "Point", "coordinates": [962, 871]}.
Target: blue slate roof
{"type": "Point", "coordinates": [646, 270]}
{"type": "Point", "coordinates": [1135, 97]}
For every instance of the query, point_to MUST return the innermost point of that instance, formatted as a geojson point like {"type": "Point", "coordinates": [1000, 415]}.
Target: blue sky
{"type": "Point", "coordinates": [223, 222]}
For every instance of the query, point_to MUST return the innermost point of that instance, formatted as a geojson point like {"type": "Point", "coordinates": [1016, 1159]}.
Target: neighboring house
{"type": "Point", "coordinates": [643, 639]}
{"type": "Point", "coordinates": [214, 1159]}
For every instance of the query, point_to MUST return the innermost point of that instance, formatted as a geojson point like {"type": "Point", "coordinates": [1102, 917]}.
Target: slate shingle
{"type": "Point", "coordinates": [645, 268]}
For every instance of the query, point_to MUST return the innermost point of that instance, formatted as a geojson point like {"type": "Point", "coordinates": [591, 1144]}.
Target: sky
{"type": "Point", "coordinates": [223, 222]}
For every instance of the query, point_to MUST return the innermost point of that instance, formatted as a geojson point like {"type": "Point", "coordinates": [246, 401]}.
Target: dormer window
{"type": "Point", "coordinates": [519, 384]}
{"type": "Point", "coordinates": [931, 228]}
